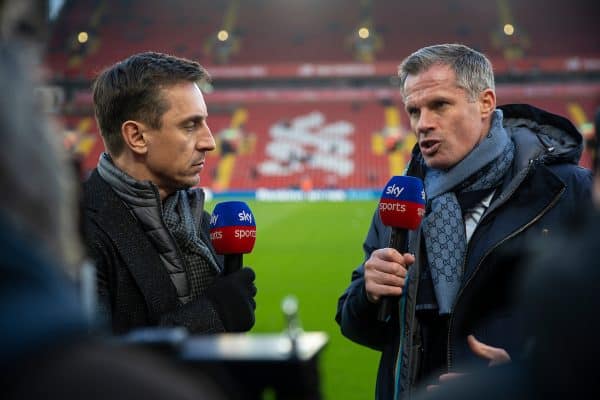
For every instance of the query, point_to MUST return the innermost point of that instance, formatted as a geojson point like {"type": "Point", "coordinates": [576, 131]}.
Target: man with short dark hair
{"type": "Point", "coordinates": [495, 178]}
{"type": "Point", "coordinates": [145, 226]}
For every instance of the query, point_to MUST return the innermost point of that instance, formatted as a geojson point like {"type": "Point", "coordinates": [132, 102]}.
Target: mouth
{"type": "Point", "coordinates": [198, 164]}
{"type": "Point", "coordinates": [429, 147]}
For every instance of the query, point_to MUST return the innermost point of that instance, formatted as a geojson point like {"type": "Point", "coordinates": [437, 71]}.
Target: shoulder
{"type": "Point", "coordinates": [540, 135]}
{"type": "Point", "coordinates": [95, 192]}
{"type": "Point", "coordinates": [573, 175]}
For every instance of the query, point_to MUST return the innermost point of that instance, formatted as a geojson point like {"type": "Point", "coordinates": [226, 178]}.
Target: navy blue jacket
{"type": "Point", "coordinates": [543, 189]}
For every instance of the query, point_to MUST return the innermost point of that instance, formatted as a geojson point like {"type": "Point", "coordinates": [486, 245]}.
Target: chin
{"type": "Point", "coordinates": [195, 181]}
{"type": "Point", "coordinates": [441, 160]}
{"type": "Point", "coordinates": [439, 164]}
{"type": "Point", "coordinates": [188, 183]}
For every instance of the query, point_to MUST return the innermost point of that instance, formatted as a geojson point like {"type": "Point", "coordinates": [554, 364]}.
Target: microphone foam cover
{"type": "Point", "coordinates": [402, 203]}
{"type": "Point", "coordinates": [232, 228]}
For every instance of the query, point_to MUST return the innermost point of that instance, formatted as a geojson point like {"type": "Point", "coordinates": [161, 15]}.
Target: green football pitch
{"type": "Point", "coordinates": [309, 249]}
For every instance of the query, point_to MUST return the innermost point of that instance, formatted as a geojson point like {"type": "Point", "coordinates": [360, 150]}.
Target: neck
{"type": "Point", "coordinates": [487, 125]}
{"type": "Point", "coordinates": [138, 171]}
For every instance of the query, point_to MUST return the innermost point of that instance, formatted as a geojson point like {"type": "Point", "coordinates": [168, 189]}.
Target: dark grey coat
{"type": "Point", "coordinates": [133, 285]}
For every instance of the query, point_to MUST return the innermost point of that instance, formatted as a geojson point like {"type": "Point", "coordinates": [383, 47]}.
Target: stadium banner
{"type": "Point", "coordinates": [390, 68]}
{"type": "Point", "coordinates": [83, 98]}
{"type": "Point", "coordinates": [289, 195]}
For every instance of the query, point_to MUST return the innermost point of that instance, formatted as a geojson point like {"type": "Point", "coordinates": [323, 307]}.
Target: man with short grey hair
{"type": "Point", "coordinates": [495, 178]}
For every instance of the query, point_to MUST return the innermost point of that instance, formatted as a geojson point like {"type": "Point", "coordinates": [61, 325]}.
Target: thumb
{"type": "Point", "coordinates": [495, 355]}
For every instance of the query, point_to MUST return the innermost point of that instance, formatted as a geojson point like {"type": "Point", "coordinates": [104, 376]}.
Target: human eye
{"type": "Point", "coordinates": [412, 112]}
{"type": "Point", "coordinates": [439, 104]}
{"type": "Point", "coordinates": [190, 126]}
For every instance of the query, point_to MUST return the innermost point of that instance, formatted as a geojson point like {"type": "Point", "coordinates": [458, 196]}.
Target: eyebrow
{"type": "Point", "coordinates": [193, 118]}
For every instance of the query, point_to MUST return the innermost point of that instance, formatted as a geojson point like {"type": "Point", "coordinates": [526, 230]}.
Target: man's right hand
{"type": "Point", "coordinates": [233, 296]}
{"type": "Point", "coordinates": [385, 273]}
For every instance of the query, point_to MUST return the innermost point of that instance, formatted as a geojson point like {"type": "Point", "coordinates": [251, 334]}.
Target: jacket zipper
{"type": "Point", "coordinates": [537, 217]}
{"type": "Point", "coordinates": [398, 367]}
{"type": "Point", "coordinates": [402, 320]}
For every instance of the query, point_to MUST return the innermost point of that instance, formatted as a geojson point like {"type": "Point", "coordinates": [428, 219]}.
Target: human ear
{"type": "Point", "coordinates": [487, 103]}
{"type": "Point", "coordinates": [133, 136]}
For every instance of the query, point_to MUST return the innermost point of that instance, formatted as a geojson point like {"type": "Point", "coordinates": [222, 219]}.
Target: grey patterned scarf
{"type": "Point", "coordinates": [201, 265]}
{"type": "Point", "coordinates": [443, 226]}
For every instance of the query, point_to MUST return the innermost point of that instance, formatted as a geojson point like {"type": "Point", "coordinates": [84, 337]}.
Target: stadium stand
{"type": "Point", "coordinates": [286, 80]}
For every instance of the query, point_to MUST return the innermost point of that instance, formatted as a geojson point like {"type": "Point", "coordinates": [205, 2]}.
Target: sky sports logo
{"type": "Point", "coordinates": [394, 190]}
{"type": "Point", "coordinates": [385, 206]}
{"type": "Point", "coordinates": [237, 234]}
{"type": "Point", "coordinates": [402, 207]}
{"type": "Point", "coordinates": [244, 233]}
{"type": "Point", "coordinates": [244, 216]}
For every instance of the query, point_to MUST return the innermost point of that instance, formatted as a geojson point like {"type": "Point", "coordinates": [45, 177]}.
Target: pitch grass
{"type": "Point", "coordinates": [309, 249]}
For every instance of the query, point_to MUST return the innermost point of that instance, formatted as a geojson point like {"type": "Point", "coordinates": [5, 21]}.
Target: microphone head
{"type": "Point", "coordinates": [402, 203]}
{"type": "Point", "coordinates": [232, 228]}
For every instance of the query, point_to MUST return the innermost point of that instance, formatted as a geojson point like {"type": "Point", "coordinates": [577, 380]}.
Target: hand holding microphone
{"type": "Point", "coordinates": [401, 207]}
{"type": "Point", "coordinates": [233, 233]}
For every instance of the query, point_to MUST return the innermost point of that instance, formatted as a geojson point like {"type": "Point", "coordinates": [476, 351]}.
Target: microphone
{"type": "Point", "coordinates": [401, 207]}
{"type": "Point", "coordinates": [232, 232]}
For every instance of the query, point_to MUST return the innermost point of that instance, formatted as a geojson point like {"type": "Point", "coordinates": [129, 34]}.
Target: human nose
{"type": "Point", "coordinates": [206, 141]}
{"type": "Point", "coordinates": [425, 122]}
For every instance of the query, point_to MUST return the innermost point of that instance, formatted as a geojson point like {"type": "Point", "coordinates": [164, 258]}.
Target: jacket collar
{"type": "Point", "coordinates": [555, 138]}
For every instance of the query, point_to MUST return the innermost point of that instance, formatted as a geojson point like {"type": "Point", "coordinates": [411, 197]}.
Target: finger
{"type": "Point", "coordinates": [392, 255]}
{"type": "Point", "coordinates": [431, 388]}
{"type": "Point", "coordinates": [495, 355]}
{"type": "Point", "coordinates": [379, 284]}
{"type": "Point", "coordinates": [375, 291]}
{"type": "Point", "coordinates": [409, 259]}
{"type": "Point", "coordinates": [388, 254]}
{"type": "Point", "coordinates": [384, 278]}
{"type": "Point", "coordinates": [389, 267]}
{"type": "Point", "coordinates": [450, 376]}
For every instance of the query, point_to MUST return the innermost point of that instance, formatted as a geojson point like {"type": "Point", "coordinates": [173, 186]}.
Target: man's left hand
{"type": "Point", "coordinates": [495, 355]}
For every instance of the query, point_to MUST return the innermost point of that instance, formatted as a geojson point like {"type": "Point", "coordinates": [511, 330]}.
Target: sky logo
{"type": "Point", "coordinates": [244, 216]}
{"type": "Point", "coordinates": [394, 190]}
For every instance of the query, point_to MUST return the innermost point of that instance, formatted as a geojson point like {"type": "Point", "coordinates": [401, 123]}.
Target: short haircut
{"type": "Point", "coordinates": [473, 70]}
{"type": "Point", "coordinates": [131, 90]}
